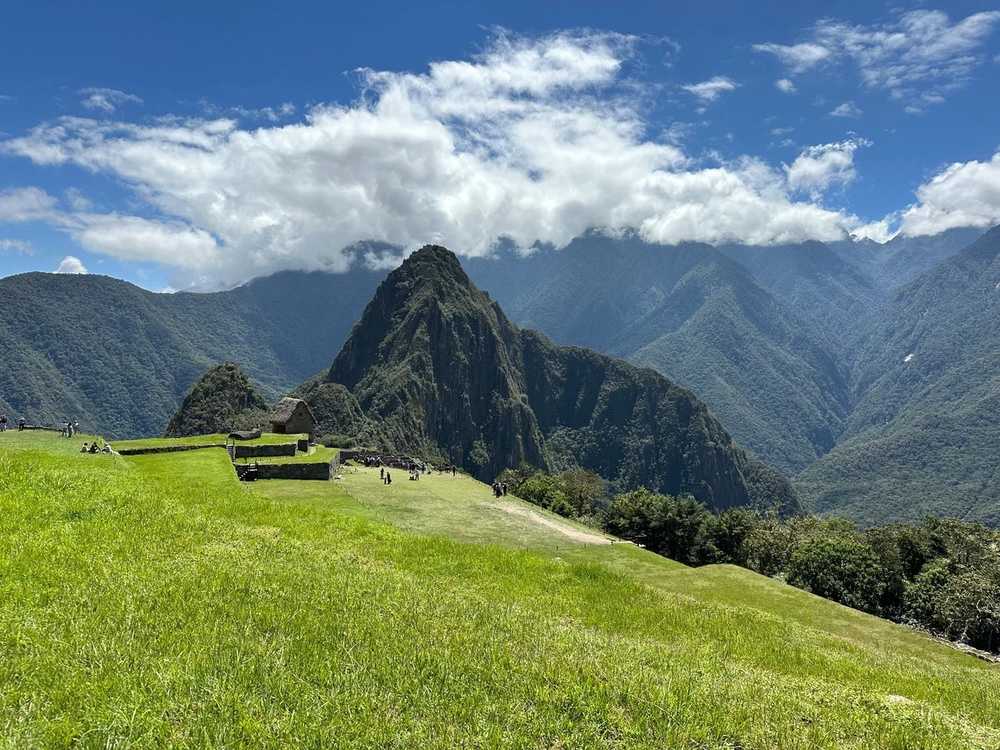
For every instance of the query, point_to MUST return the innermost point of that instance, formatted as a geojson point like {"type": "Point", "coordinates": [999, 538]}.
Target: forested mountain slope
{"type": "Point", "coordinates": [923, 436]}
{"type": "Point", "coordinates": [696, 316]}
{"type": "Point", "coordinates": [438, 369]}
{"type": "Point", "coordinates": [119, 359]}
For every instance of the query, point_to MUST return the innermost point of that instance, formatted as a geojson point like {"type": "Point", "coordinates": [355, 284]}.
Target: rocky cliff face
{"type": "Point", "coordinates": [222, 400]}
{"type": "Point", "coordinates": [437, 368]}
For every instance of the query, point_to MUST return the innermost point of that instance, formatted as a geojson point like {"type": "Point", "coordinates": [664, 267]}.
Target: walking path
{"type": "Point", "coordinates": [585, 537]}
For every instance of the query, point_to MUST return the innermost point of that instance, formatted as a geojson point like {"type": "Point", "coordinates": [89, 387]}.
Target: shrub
{"type": "Point", "coordinates": [843, 569]}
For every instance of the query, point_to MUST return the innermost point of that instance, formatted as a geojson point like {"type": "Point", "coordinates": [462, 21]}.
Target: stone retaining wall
{"type": "Point", "coordinates": [166, 449]}
{"type": "Point", "coordinates": [320, 471]}
{"type": "Point", "coordinates": [263, 451]}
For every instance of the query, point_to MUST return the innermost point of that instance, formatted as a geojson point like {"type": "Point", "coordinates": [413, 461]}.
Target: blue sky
{"type": "Point", "coordinates": [195, 145]}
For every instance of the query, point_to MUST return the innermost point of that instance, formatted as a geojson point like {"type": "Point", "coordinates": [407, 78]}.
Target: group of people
{"type": "Point", "coordinates": [386, 476]}
{"type": "Point", "coordinates": [21, 422]}
{"type": "Point", "coordinates": [95, 448]}
{"type": "Point", "coordinates": [499, 489]}
{"type": "Point", "coordinates": [69, 429]}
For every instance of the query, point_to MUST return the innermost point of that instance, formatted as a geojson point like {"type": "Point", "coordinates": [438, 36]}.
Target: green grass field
{"type": "Point", "coordinates": [154, 601]}
{"type": "Point", "coordinates": [268, 438]}
{"type": "Point", "coordinates": [318, 454]}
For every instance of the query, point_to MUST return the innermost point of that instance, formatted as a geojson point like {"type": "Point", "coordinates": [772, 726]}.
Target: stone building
{"type": "Point", "coordinates": [291, 416]}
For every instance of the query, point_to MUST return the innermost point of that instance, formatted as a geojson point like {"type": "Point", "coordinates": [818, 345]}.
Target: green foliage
{"type": "Point", "coordinates": [120, 359]}
{"type": "Point", "coordinates": [574, 493]}
{"type": "Point", "coordinates": [842, 569]}
{"type": "Point", "coordinates": [669, 526]}
{"type": "Point", "coordinates": [437, 369]}
{"type": "Point", "coordinates": [223, 400]}
{"type": "Point", "coordinates": [942, 575]}
{"type": "Point", "coordinates": [922, 435]}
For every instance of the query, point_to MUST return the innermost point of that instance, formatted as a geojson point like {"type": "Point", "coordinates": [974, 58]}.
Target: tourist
{"type": "Point", "coordinates": [21, 422]}
{"type": "Point", "coordinates": [3, 423]}
{"type": "Point", "coordinates": [84, 449]}
{"type": "Point", "coordinates": [381, 474]}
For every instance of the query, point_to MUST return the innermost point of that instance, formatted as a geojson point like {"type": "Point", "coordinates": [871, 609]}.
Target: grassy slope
{"type": "Point", "coordinates": [268, 438]}
{"type": "Point", "coordinates": [140, 610]}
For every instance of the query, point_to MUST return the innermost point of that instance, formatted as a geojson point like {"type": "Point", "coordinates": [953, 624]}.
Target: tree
{"type": "Point", "coordinates": [843, 569]}
{"type": "Point", "coordinates": [666, 525]}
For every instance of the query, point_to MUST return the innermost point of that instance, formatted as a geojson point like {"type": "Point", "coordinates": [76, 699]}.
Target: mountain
{"type": "Point", "coordinates": [698, 317]}
{"type": "Point", "coordinates": [797, 349]}
{"type": "Point", "coordinates": [922, 438]}
{"type": "Point", "coordinates": [836, 300]}
{"type": "Point", "coordinates": [120, 359]}
{"type": "Point", "coordinates": [893, 264]}
{"type": "Point", "coordinates": [437, 368]}
{"type": "Point", "coordinates": [221, 401]}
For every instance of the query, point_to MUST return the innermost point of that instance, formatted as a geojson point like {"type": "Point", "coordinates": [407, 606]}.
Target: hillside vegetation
{"type": "Point", "coordinates": [222, 400]}
{"type": "Point", "coordinates": [258, 615]}
{"type": "Point", "coordinates": [922, 438]}
{"type": "Point", "coordinates": [799, 351]}
{"type": "Point", "coordinates": [119, 359]}
{"type": "Point", "coordinates": [437, 369]}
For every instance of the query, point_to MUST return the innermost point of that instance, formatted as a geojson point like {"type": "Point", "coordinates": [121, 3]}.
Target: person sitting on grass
{"type": "Point", "coordinates": [94, 448]}
{"type": "Point", "coordinates": [84, 449]}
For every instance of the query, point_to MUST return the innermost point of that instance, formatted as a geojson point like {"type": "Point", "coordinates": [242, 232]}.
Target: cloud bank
{"type": "Point", "coordinates": [535, 140]}
{"type": "Point", "coordinates": [965, 194]}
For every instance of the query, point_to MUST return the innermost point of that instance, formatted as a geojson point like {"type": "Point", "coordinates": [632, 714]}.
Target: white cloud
{"type": "Point", "coordinates": [26, 204]}
{"type": "Point", "coordinates": [535, 140]}
{"type": "Point", "coordinates": [918, 58]}
{"type": "Point", "coordinates": [965, 194]}
{"type": "Point", "coordinates": [785, 86]}
{"type": "Point", "coordinates": [847, 109]}
{"type": "Point", "coordinates": [77, 200]}
{"type": "Point", "coordinates": [71, 264]}
{"type": "Point", "coordinates": [712, 89]}
{"type": "Point", "coordinates": [15, 246]}
{"type": "Point", "coordinates": [106, 100]}
{"type": "Point", "coordinates": [134, 238]}
{"type": "Point", "coordinates": [877, 231]}
{"type": "Point", "coordinates": [819, 168]}
{"type": "Point", "coordinates": [797, 57]}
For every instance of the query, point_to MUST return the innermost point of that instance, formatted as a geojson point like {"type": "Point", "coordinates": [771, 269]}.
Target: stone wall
{"type": "Point", "coordinates": [166, 449]}
{"type": "Point", "coordinates": [262, 451]}
{"type": "Point", "coordinates": [320, 471]}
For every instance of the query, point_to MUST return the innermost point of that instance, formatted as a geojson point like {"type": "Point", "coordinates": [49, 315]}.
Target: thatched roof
{"type": "Point", "coordinates": [284, 409]}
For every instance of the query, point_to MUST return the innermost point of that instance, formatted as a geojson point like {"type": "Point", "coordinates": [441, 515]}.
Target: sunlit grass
{"type": "Point", "coordinates": [156, 601]}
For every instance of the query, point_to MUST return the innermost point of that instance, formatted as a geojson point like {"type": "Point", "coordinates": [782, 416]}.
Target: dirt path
{"type": "Point", "coordinates": [578, 535]}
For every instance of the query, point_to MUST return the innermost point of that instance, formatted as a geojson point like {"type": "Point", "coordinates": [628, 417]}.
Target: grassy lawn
{"type": "Point", "coordinates": [268, 438]}
{"type": "Point", "coordinates": [318, 454]}
{"type": "Point", "coordinates": [155, 601]}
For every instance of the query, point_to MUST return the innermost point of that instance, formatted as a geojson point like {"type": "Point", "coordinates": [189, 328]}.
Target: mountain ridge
{"type": "Point", "coordinates": [437, 367]}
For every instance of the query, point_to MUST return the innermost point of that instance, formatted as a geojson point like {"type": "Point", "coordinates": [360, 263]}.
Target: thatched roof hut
{"type": "Point", "coordinates": [292, 415]}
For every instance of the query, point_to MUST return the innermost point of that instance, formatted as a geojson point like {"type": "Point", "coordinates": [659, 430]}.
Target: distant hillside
{"type": "Point", "coordinates": [221, 401]}
{"type": "Point", "coordinates": [120, 359]}
{"type": "Point", "coordinates": [437, 368]}
{"type": "Point", "coordinates": [902, 259]}
{"type": "Point", "coordinates": [696, 316]}
{"type": "Point", "coordinates": [796, 349]}
{"type": "Point", "coordinates": [923, 437]}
